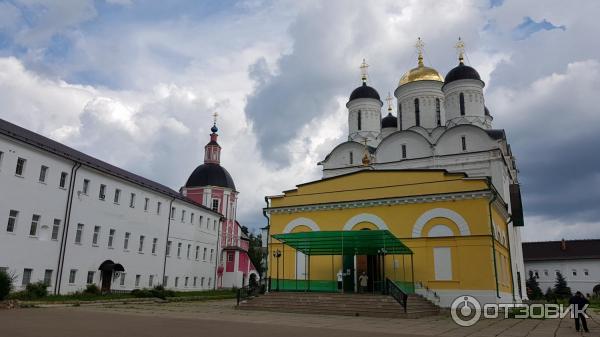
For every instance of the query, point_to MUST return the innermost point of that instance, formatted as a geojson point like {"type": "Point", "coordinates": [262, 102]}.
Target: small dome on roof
{"type": "Point", "coordinates": [210, 174]}
{"type": "Point", "coordinates": [364, 91]}
{"type": "Point", "coordinates": [462, 72]}
{"type": "Point", "coordinates": [389, 121]}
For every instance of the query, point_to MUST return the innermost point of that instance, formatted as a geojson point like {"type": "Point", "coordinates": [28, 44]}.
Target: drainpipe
{"type": "Point", "coordinates": [65, 231]}
{"type": "Point", "coordinates": [266, 271]}
{"type": "Point", "coordinates": [167, 240]}
{"type": "Point", "coordinates": [493, 240]}
{"type": "Point", "coordinates": [218, 253]}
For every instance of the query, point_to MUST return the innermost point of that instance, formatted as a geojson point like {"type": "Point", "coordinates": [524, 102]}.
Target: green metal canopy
{"type": "Point", "coordinates": [363, 242]}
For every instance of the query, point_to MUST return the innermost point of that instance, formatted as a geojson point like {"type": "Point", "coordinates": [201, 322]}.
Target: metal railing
{"type": "Point", "coordinates": [247, 292]}
{"type": "Point", "coordinates": [392, 289]}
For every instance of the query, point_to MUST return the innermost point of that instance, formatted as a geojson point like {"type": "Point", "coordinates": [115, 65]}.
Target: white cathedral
{"type": "Point", "coordinates": [442, 123]}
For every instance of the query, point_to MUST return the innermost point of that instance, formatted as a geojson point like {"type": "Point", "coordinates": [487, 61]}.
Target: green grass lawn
{"type": "Point", "coordinates": [83, 297]}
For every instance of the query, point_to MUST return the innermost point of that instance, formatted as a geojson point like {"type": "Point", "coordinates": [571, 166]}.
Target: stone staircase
{"type": "Point", "coordinates": [341, 304]}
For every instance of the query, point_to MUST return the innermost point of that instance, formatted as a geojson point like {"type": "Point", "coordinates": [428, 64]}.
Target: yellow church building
{"type": "Point", "coordinates": [428, 231]}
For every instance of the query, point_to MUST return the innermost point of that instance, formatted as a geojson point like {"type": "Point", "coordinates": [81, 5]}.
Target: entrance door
{"type": "Point", "coordinates": [348, 273]}
{"type": "Point", "coordinates": [106, 280]}
{"type": "Point", "coordinates": [370, 265]}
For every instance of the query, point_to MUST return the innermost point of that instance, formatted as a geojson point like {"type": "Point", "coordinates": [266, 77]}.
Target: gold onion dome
{"type": "Point", "coordinates": [421, 72]}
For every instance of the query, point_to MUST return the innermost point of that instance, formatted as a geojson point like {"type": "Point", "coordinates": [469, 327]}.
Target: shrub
{"type": "Point", "coordinates": [158, 292]}
{"type": "Point", "coordinates": [36, 290]}
{"type": "Point", "coordinates": [6, 285]}
{"type": "Point", "coordinates": [91, 289]}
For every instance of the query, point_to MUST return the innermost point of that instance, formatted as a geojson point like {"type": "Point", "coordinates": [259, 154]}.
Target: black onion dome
{"type": "Point", "coordinates": [462, 72]}
{"type": "Point", "coordinates": [389, 121]}
{"type": "Point", "coordinates": [210, 175]}
{"type": "Point", "coordinates": [364, 91]}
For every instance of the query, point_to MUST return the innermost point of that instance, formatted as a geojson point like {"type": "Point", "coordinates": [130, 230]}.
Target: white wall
{"type": "Point", "coordinates": [19, 250]}
{"type": "Point", "coordinates": [580, 282]}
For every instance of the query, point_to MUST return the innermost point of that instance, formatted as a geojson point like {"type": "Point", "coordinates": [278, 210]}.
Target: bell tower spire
{"type": "Point", "coordinates": [212, 150]}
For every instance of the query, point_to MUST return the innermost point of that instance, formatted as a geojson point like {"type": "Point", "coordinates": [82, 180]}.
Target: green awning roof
{"type": "Point", "coordinates": [363, 242]}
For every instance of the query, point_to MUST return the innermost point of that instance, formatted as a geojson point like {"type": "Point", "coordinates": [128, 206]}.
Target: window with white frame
{"type": "Point", "coordinates": [172, 216]}
{"type": "Point", "coordinates": [79, 233]}
{"type": "Point", "coordinates": [117, 196]}
{"type": "Point", "coordinates": [122, 281]}
{"type": "Point", "coordinates": [168, 252]}
{"type": "Point", "coordinates": [26, 276]}
{"type": "Point", "coordinates": [111, 237]}
{"type": "Point", "coordinates": [215, 205]}
{"type": "Point", "coordinates": [141, 247]}
{"type": "Point", "coordinates": [72, 276]}
{"type": "Point", "coordinates": [189, 247]}
{"type": "Point", "coordinates": [90, 277]}
{"type": "Point", "coordinates": [165, 281]}
{"type": "Point", "coordinates": [195, 281]}
{"type": "Point", "coordinates": [197, 252]}
{"type": "Point", "coordinates": [55, 229]}
{"type": "Point", "coordinates": [158, 204]}
{"type": "Point", "coordinates": [146, 202]}
{"type": "Point", "coordinates": [202, 282]}
{"type": "Point", "coordinates": [86, 186]}
{"type": "Point", "coordinates": [200, 217]}
{"type": "Point", "coordinates": [176, 281]}
{"type": "Point", "coordinates": [62, 183]}
{"type": "Point", "coordinates": [43, 173]}
{"type": "Point", "coordinates": [214, 225]}
{"type": "Point", "coordinates": [150, 280]}
{"type": "Point", "coordinates": [209, 281]}
{"type": "Point", "coordinates": [154, 243]}
{"type": "Point", "coordinates": [187, 278]}
{"type": "Point", "coordinates": [137, 280]}
{"type": "Point", "coordinates": [574, 271]}
{"type": "Point", "coordinates": [204, 254]}
{"type": "Point", "coordinates": [463, 143]}
{"type": "Point", "coordinates": [403, 148]}
{"type": "Point", "coordinates": [192, 218]}
{"type": "Point", "coordinates": [102, 192]}
{"type": "Point", "coordinates": [48, 277]}
{"type": "Point", "coordinates": [95, 236]}
{"type": "Point", "coordinates": [211, 254]}
{"type": "Point", "coordinates": [35, 219]}
{"type": "Point", "coordinates": [20, 169]}
{"type": "Point", "coordinates": [586, 272]}
{"type": "Point", "coordinates": [132, 200]}
{"type": "Point", "coordinates": [126, 241]}
{"type": "Point", "coordinates": [207, 222]}
{"type": "Point", "coordinates": [182, 215]}
{"type": "Point", "coordinates": [179, 249]}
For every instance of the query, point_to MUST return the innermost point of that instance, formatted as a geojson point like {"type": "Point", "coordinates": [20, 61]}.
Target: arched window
{"type": "Point", "coordinates": [400, 115]}
{"type": "Point", "coordinates": [417, 113]}
{"type": "Point", "coordinates": [461, 98]}
{"type": "Point", "coordinates": [438, 112]}
{"type": "Point", "coordinates": [351, 158]}
{"type": "Point", "coordinates": [403, 151]}
{"type": "Point", "coordinates": [359, 120]}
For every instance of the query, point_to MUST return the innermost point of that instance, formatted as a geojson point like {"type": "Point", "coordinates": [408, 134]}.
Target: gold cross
{"type": "Point", "coordinates": [363, 70]}
{"type": "Point", "coordinates": [460, 47]}
{"type": "Point", "coordinates": [420, 46]}
{"type": "Point", "coordinates": [389, 100]}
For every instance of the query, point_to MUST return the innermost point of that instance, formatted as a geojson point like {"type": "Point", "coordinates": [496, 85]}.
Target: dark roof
{"type": "Point", "coordinates": [486, 111]}
{"type": "Point", "coordinates": [389, 121]}
{"type": "Point", "coordinates": [552, 250]}
{"type": "Point", "coordinates": [496, 133]}
{"type": "Point", "coordinates": [36, 140]}
{"type": "Point", "coordinates": [210, 174]}
{"type": "Point", "coordinates": [364, 91]}
{"type": "Point", "coordinates": [461, 72]}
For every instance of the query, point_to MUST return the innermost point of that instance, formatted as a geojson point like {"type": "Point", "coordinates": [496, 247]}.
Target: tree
{"type": "Point", "coordinates": [255, 251]}
{"type": "Point", "coordinates": [561, 290]}
{"type": "Point", "coordinates": [533, 287]}
{"type": "Point", "coordinates": [550, 295]}
{"type": "Point", "coordinates": [6, 284]}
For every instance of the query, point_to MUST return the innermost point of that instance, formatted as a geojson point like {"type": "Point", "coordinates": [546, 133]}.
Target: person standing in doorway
{"type": "Point", "coordinates": [340, 279]}
{"type": "Point", "coordinates": [579, 302]}
{"type": "Point", "coordinates": [363, 280]}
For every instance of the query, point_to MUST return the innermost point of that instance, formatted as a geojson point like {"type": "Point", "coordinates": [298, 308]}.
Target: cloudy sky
{"type": "Point", "coordinates": [134, 82]}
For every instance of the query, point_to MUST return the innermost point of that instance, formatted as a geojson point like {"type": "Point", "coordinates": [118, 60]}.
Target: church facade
{"type": "Point", "coordinates": [441, 124]}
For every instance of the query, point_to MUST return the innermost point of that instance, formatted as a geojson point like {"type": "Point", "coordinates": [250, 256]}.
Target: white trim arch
{"type": "Point", "coordinates": [301, 222]}
{"type": "Point", "coordinates": [365, 217]}
{"type": "Point", "coordinates": [463, 227]}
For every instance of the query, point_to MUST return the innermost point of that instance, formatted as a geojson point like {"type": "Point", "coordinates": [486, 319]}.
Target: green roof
{"type": "Point", "coordinates": [363, 242]}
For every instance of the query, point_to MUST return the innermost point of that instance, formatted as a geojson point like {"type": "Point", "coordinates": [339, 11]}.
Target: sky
{"type": "Point", "coordinates": [135, 83]}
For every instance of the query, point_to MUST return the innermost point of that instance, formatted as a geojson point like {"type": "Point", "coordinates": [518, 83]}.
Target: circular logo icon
{"type": "Point", "coordinates": [465, 310]}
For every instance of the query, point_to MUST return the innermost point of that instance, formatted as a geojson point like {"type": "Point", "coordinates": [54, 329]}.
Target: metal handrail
{"type": "Point", "coordinates": [392, 289]}
{"type": "Point", "coordinates": [248, 292]}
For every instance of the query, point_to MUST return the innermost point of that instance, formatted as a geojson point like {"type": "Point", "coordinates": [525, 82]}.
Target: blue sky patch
{"type": "Point", "coordinates": [528, 27]}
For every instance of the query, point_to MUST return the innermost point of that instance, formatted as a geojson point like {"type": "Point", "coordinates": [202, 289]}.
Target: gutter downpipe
{"type": "Point", "coordinates": [65, 229]}
{"type": "Point", "coordinates": [493, 238]}
{"type": "Point", "coordinates": [512, 275]}
{"type": "Point", "coordinates": [218, 252]}
{"type": "Point", "coordinates": [167, 241]}
{"type": "Point", "coordinates": [268, 245]}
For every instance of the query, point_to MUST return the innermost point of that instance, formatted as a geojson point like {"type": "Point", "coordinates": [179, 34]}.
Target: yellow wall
{"type": "Point", "coordinates": [472, 257]}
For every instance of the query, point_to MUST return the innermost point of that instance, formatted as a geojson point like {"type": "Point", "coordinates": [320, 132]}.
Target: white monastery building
{"type": "Point", "coordinates": [441, 123]}
{"type": "Point", "coordinates": [577, 260]}
{"type": "Point", "coordinates": [71, 220]}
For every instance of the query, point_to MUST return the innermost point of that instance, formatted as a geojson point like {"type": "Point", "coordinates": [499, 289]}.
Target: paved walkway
{"type": "Point", "coordinates": [219, 318]}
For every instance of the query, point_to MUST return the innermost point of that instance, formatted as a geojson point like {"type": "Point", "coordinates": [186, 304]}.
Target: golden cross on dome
{"type": "Point", "coordinates": [460, 47]}
{"type": "Point", "coordinates": [420, 46]}
{"type": "Point", "coordinates": [389, 100]}
{"type": "Point", "coordinates": [363, 71]}
{"type": "Point", "coordinates": [215, 115]}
